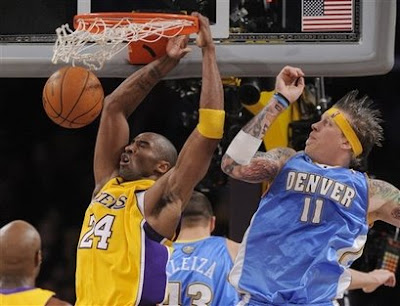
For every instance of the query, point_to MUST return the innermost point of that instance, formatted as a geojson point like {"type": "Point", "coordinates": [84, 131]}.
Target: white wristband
{"type": "Point", "coordinates": [243, 147]}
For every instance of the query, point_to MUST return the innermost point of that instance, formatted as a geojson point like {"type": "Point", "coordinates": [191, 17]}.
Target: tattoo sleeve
{"type": "Point", "coordinates": [264, 166]}
{"type": "Point", "coordinates": [388, 195]}
{"type": "Point", "coordinates": [259, 125]}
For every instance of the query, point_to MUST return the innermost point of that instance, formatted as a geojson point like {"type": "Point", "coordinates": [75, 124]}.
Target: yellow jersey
{"type": "Point", "coordinates": [120, 259]}
{"type": "Point", "coordinates": [25, 296]}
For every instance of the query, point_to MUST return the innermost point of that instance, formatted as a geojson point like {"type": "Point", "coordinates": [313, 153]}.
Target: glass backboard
{"type": "Point", "coordinates": [254, 37]}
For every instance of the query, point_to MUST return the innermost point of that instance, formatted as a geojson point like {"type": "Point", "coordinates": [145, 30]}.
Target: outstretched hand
{"type": "Point", "coordinates": [290, 83]}
{"type": "Point", "coordinates": [204, 38]}
{"type": "Point", "coordinates": [177, 47]}
{"type": "Point", "coordinates": [381, 277]}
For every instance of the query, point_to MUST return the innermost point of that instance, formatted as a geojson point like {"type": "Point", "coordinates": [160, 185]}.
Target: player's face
{"type": "Point", "coordinates": [324, 141]}
{"type": "Point", "coordinates": [139, 160]}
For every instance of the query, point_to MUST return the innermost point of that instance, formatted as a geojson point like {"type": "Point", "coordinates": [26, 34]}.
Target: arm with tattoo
{"type": "Point", "coordinates": [289, 84]}
{"type": "Point", "coordinates": [241, 160]}
{"type": "Point", "coordinates": [264, 166]}
{"type": "Point", "coordinates": [259, 125]}
{"type": "Point", "coordinates": [132, 91]}
{"type": "Point", "coordinates": [113, 132]}
{"type": "Point", "coordinates": [384, 202]}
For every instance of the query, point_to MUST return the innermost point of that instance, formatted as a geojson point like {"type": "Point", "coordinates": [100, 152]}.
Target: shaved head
{"type": "Point", "coordinates": [149, 155]}
{"type": "Point", "coordinates": [165, 149]}
{"type": "Point", "coordinates": [20, 246]}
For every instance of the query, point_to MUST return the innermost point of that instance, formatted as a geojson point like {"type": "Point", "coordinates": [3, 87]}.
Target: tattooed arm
{"type": "Point", "coordinates": [289, 83]}
{"type": "Point", "coordinates": [264, 166]}
{"type": "Point", "coordinates": [384, 201]}
{"type": "Point", "coordinates": [241, 160]}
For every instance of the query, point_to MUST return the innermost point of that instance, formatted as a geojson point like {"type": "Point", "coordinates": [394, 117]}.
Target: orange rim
{"type": "Point", "coordinates": [110, 19]}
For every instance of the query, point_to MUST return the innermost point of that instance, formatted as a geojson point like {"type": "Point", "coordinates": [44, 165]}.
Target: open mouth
{"type": "Point", "coordinates": [124, 158]}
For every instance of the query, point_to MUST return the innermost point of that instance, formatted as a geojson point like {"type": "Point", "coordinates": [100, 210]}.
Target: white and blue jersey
{"type": "Point", "coordinates": [198, 273]}
{"type": "Point", "coordinates": [309, 227]}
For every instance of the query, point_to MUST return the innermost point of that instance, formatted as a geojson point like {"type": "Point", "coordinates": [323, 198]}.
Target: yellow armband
{"type": "Point", "coordinates": [211, 123]}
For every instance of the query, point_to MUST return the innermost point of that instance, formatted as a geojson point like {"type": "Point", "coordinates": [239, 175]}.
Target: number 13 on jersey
{"type": "Point", "coordinates": [198, 293]}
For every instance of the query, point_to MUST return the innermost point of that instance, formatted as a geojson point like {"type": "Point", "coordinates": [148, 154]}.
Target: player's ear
{"type": "Point", "coordinates": [162, 167]}
{"type": "Point", "coordinates": [38, 258]}
{"type": "Point", "coordinates": [345, 144]}
{"type": "Point", "coordinates": [212, 224]}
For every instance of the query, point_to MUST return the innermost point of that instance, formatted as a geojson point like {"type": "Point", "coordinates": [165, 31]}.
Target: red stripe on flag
{"type": "Point", "coordinates": [336, 15]}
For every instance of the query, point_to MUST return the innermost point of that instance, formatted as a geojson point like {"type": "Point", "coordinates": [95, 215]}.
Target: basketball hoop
{"type": "Point", "coordinates": [99, 36]}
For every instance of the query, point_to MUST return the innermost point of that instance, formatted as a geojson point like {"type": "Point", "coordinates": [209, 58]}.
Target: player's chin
{"type": "Point", "coordinates": [123, 172]}
{"type": "Point", "coordinates": [127, 174]}
{"type": "Point", "coordinates": [308, 150]}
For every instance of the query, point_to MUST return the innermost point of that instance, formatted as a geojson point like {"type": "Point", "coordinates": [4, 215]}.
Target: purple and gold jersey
{"type": "Point", "coordinates": [308, 228]}
{"type": "Point", "coordinates": [198, 273]}
{"type": "Point", "coordinates": [120, 259]}
{"type": "Point", "coordinates": [25, 296]}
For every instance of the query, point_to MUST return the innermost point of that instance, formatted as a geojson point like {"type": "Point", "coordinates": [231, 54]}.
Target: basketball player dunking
{"type": "Point", "coordinates": [142, 186]}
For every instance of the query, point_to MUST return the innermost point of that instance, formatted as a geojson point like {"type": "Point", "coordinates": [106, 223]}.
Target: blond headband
{"type": "Point", "coordinates": [346, 129]}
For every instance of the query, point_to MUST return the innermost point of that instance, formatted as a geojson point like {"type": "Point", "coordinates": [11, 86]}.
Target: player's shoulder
{"type": "Point", "coordinates": [230, 242]}
{"type": "Point", "coordinates": [233, 248]}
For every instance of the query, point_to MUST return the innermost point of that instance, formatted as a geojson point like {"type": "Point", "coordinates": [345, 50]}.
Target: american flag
{"type": "Point", "coordinates": [327, 15]}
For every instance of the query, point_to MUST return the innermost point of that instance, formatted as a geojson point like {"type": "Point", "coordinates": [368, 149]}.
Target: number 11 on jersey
{"type": "Point", "coordinates": [316, 216]}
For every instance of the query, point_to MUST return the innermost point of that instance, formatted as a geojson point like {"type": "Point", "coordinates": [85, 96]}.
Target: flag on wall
{"type": "Point", "coordinates": [327, 15]}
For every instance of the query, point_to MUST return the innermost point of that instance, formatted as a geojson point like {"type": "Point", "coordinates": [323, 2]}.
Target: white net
{"type": "Point", "coordinates": [95, 43]}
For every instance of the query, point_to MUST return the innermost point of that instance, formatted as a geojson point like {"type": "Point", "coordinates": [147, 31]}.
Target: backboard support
{"type": "Point", "coordinates": [252, 48]}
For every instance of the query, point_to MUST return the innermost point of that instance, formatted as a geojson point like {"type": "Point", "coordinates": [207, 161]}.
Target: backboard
{"type": "Point", "coordinates": [253, 37]}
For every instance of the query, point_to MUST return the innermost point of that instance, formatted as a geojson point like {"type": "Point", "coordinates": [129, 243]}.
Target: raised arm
{"type": "Point", "coordinates": [165, 201]}
{"type": "Point", "coordinates": [384, 201]}
{"type": "Point", "coordinates": [241, 160]}
{"type": "Point", "coordinates": [113, 133]}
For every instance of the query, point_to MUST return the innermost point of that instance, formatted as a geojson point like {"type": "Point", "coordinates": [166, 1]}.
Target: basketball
{"type": "Point", "coordinates": [73, 97]}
